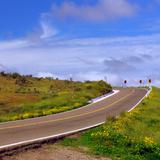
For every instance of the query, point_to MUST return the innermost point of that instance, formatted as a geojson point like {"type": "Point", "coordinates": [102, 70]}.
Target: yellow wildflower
{"type": "Point", "coordinates": [149, 141]}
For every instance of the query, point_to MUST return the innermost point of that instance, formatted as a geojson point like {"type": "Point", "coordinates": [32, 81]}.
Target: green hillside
{"type": "Point", "coordinates": [26, 97]}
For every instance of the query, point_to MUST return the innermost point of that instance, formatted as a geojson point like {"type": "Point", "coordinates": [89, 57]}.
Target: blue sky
{"type": "Point", "coordinates": [85, 39]}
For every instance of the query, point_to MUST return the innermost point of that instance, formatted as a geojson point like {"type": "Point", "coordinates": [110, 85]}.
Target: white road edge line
{"type": "Point", "coordinates": [65, 133]}
{"type": "Point", "coordinates": [147, 94]}
{"type": "Point", "coordinates": [49, 137]}
{"type": "Point", "coordinates": [98, 99]}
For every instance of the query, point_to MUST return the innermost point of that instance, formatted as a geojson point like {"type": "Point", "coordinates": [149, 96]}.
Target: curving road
{"type": "Point", "coordinates": [19, 133]}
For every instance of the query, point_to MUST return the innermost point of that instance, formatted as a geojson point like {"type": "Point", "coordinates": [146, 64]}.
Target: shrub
{"type": "Point", "coordinates": [3, 73]}
{"type": "Point", "coordinates": [104, 87]}
{"type": "Point", "coordinates": [89, 87]}
{"type": "Point", "coordinates": [21, 81]}
{"type": "Point", "coordinates": [15, 75]}
{"type": "Point", "coordinates": [77, 89]}
{"type": "Point", "coordinates": [25, 115]}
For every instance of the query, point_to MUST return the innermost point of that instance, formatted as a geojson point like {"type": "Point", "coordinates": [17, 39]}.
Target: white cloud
{"type": "Point", "coordinates": [45, 74]}
{"type": "Point", "coordinates": [93, 75]}
{"type": "Point", "coordinates": [47, 30]}
{"type": "Point", "coordinates": [51, 75]}
{"type": "Point", "coordinates": [13, 44]}
{"type": "Point", "coordinates": [113, 41]}
{"type": "Point", "coordinates": [84, 62]}
{"type": "Point", "coordinates": [102, 11]}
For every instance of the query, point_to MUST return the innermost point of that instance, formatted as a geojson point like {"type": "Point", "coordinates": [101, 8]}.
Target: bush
{"type": "Point", "coordinates": [89, 87]}
{"type": "Point", "coordinates": [77, 89]}
{"type": "Point", "coordinates": [15, 75]}
{"type": "Point", "coordinates": [3, 74]}
{"type": "Point", "coordinates": [21, 81]}
{"type": "Point", "coordinates": [104, 87]}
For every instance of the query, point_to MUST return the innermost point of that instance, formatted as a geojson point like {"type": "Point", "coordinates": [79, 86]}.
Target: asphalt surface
{"type": "Point", "coordinates": [26, 130]}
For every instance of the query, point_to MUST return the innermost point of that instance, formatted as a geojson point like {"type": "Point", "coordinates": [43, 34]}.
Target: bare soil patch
{"type": "Point", "coordinates": [53, 152]}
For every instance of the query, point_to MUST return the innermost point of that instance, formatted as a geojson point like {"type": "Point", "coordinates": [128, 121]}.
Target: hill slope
{"type": "Point", "coordinates": [26, 97]}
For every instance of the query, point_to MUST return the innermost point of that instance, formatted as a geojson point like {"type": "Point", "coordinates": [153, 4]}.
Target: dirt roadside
{"type": "Point", "coordinates": [53, 152]}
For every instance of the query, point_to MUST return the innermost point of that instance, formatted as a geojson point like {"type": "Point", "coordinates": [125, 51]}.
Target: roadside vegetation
{"type": "Point", "coordinates": [132, 136]}
{"type": "Point", "coordinates": [24, 97]}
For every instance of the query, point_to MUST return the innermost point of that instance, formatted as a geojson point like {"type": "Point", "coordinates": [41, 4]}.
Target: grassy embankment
{"type": "Point", "coordinates": [133, 136]}
{"type": "Point", "coordinates": [24, 97]}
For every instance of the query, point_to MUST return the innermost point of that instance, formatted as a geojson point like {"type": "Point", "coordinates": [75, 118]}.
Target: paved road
{"type": "Point", "coordinates": [27, 130]}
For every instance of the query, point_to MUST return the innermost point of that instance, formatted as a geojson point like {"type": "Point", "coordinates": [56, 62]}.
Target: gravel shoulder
{"type": "Point", "coordinates": [53, 152]}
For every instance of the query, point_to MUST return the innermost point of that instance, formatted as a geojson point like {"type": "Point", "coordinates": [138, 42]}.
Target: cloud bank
{"type": "Point", "coordinates": [119, 58]}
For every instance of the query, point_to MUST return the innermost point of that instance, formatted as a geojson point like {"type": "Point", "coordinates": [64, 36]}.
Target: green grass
{"type": "Point", "coordinates": [24, 97]}
{"type": "Point", "coordinates": [133, 136]}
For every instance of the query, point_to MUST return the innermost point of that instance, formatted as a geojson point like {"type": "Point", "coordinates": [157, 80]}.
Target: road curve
{"type": "Point", "coordinates": [28, 131]}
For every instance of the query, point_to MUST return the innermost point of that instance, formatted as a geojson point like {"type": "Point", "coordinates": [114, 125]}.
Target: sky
{"type": "Point", "coordinates": [83, 39]}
